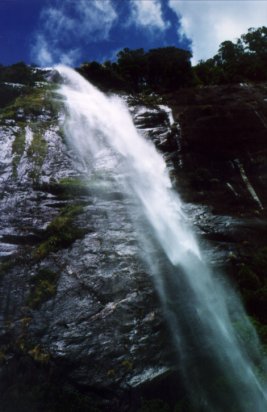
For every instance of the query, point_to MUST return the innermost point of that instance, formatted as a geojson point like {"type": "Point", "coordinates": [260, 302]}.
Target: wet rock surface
{"type": "Point", "coordinates": [81, 325]}
{"type": "Point", "coordinates": [77, 302]}
{"type": "Point", "coordinates": [218, 165]}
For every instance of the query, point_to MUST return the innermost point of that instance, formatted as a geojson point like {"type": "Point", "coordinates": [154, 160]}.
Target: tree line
{"type": "Point", "coordinates": [169, 68]}
{"type": "Point", "coordinates": [166, 69]}
{"type": "Point", "coordinates": [240, 61]}
{"type": "Point", "coordinates": [158, 70]}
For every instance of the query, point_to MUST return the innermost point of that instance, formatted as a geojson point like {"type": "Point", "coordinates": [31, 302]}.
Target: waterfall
{"type": "Point", "coordinates": [219, 364]}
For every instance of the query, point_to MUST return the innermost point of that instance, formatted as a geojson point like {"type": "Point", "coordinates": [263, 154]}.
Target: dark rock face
{"type": "Point", "coordinates": [220, 171]}
{"type": "Point", "coordinates": [223, 146]}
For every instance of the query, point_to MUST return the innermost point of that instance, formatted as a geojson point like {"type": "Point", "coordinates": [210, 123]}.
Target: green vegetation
{"type": "Point", "coordinates": [251, 280]}
{"type": "Point", "coordinates": [20, 73]}
{"type": "Point", "coordinates": [157, 70]}
{"type": "Point", "coordinates": [74, 185]}
{"type": "Point", "coordinates": [37, 352]}
{"type": "Point", "coordinates": [37, 152]}
{"type": "Point", "coordinates": [167, 69]}
{"type": "Point", "coordinates": [61, 232]}
{"type": "Point", "coordinates": [66, 188]}
{"type": "Point", "coordinates": [20, 96]}
{"type": "Point", "coordinates": [15, 81]}
{"type": "Point", "coordinates": [9, 93]}
{"type": "Point", "coordinates": [34, 105]}
{"type": "Point", "coordinates": [30, 103]}
{"type": "Point", "coordinates": [162, 69]}
{"type": "Point", "coordinates": [242, 61]}
{"type": "Point", "coordinates": [44, 286]}
{"type": "Point", "coordinates": [18, 147]}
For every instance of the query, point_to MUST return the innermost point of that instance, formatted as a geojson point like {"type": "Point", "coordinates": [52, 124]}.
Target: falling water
{"type": "Point", "coordinates": [219, 365]}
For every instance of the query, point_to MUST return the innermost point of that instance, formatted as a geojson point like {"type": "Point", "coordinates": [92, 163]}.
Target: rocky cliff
{"type": "Point", "coordinates": [221, 169]}
{"type": "Point", "coordinates": [81, 325]}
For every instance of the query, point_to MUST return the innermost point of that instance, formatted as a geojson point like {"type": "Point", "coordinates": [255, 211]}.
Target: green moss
{"type": "Point", "coordinates": [128, 364]}
{"type": "Point", "coordinates": [32, 102]}
{"type": "Point", "coordinates": [261, 330]}
{"type": "Point", "coordinates": [61, 232]}
{"type": "Point", "coordinates": [66, 188]}
{"type": "Point", "coordinates": [37, 152]}
{"type": "Point", "coordinates": [244, 331]}
{"type": "Point", "coordinates": [35, 101]}
{"type": "Point", "coordinates": [252, 282]}
{"type": "Point", "coordinates": [60, 224]}
{"type": "Point", "coordinates": [75, 185]}
{"type": "Point", "coordinates": [18, 147]}
{"type": "Point", "coordinates": [44, 286]}
{"type": "Point", "coordinates": [39, 355]}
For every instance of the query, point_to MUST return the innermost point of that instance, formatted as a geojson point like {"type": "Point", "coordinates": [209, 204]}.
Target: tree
{"type": "Point", "coordinates": [169, 68]}
{"type": "Point", "coordinates": [208, 72]}
{"type": "Point", "coordinates": [255, 41]}
{"type": "Point", "coordinates": [229, 53]}
{"type": "Point", "coordinates": [244, 60]}
{"type": "Point", "coordinates": [132, 66]}
{"type": "Point", "coordinates": [105, 76]}
{"type": "Point", "coordinates": [230, 58]}
{"type": "Point", "coordinates": [162, 69]}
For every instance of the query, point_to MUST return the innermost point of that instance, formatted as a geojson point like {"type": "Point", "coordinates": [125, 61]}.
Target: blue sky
{"type": "Point", "coordinates": [47, 32]}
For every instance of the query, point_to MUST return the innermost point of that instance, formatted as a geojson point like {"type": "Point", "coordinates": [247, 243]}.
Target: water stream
{"type": "Point", "coordinates": [218, 353]}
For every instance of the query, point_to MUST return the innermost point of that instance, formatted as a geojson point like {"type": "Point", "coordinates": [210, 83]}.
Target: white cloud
{"type": "Point", "coordinates": [41, 51]}
{"type": "Point", "coordinates": [96, 17]}
{"type": "Point", "coordinates": [72, 23]}
{"type": "Point", "coordinates": [56, 22]}
{"type": "Point", "coordinates": [209, 23]}
{"type": "Point", "coordinates": [148, 14]}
